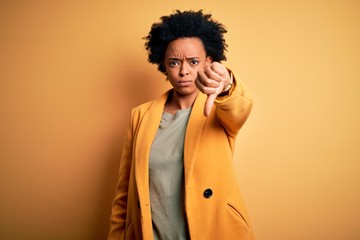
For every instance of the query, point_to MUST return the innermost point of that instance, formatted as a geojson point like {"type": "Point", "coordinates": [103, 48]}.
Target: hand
{"type": "Point", "coordinates": [212, 81]}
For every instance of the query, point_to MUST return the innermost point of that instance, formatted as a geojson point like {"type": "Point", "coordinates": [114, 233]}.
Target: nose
{"type": "Point", "coordinates": [184, 69]}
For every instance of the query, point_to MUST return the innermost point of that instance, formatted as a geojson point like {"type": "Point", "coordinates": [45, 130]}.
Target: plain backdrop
{"type": "Point", "coordinates": [70, 72]}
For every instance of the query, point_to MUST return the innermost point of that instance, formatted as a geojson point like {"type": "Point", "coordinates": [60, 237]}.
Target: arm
{"type": "Point", "coordinates": [233, 101]}
{"type": "Point", "coordinates": [233, 108]}
{"type": "Point", "coordinates": [119, 207]}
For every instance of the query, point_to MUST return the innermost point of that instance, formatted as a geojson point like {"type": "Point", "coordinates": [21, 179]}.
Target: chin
{"type": "Point", "coordinates": [186, 91]}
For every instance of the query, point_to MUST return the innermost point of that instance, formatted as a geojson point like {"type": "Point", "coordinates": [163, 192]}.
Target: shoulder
{"type": "Point", "coordinates": [139, 111]}
{"type": "Point", "coordinates": [153, 105]}
{"type": "Point", "coordinates": [143, 107]}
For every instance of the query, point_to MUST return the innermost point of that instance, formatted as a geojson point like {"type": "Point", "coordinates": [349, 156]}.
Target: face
{"type": "Point", "coordinates": [183, 58]}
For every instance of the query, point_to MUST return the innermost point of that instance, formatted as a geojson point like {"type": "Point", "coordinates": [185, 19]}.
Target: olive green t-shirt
{"type": "Point", "coordinates": [166, 177]}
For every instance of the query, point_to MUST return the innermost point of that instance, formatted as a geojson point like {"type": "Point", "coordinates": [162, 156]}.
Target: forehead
{"type": "Point", "coordinates": [185, 47]}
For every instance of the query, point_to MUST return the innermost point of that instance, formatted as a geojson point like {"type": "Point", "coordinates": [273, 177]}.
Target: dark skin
{"type": "Point", "coordinates": [189, 71]}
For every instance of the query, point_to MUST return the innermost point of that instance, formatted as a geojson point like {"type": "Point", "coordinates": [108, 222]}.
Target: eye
{"type": "Point", "coordinates": [173, 63]}
{"type": "Point", "coordinates": [194, 62]}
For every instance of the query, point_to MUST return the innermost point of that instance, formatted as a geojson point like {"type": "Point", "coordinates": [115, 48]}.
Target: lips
{"type": "Point", "coordinates": [185, 82]}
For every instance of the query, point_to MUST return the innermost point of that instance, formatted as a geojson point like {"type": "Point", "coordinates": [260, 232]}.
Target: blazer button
{"type": "Point", "coordinates": [208, 193]}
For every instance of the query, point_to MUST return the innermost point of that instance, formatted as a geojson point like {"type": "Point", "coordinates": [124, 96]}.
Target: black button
{"type": "Point", "coordinates": [208, 193]}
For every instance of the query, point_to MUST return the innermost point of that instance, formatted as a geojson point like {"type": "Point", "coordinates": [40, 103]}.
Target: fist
{"type": "Point", "coordinates": [212, 81]}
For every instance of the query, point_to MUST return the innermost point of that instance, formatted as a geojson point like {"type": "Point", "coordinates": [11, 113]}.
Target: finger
{"type": "Point", "coordinates": [204, 89]}
{"type": "Point", "coordinates": [222, 71]}
{"type": "Point", "coordinates": [207, 81]}
{"type": "Point", "coordinates": [209, 104]}
{"type": "Point", "coordinates": [203, 82]}
{"type": "Point", "coordinates": [218, 68]}
{"type": "Point", "coordinates": [212, 74]}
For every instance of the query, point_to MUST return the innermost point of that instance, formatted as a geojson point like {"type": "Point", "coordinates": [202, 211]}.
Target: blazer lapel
{"type": "Point", "coordinates": [146, 134]}
{"type": "Point", "coordinates": [193, 135]}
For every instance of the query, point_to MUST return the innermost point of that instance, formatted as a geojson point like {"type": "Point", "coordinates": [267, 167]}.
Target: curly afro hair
{"type": "Point", "coordinates": [181, 25]}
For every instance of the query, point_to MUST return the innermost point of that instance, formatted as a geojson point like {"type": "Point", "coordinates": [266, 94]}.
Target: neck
{"type": "Point", "coordinates": [177, 101]}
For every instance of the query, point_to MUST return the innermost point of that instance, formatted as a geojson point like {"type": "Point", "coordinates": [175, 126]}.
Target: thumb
{"type": "Point", "coordinates": [209, 103]}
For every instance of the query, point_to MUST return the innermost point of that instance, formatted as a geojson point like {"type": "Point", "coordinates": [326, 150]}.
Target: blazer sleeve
{"type": "Point", "coordinates": [233, 110]}
{"type": "Point", "coordinates": [119, 205]}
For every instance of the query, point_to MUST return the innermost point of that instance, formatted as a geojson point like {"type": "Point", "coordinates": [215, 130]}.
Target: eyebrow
{"type": "Point", "coordinates": [180, 59]}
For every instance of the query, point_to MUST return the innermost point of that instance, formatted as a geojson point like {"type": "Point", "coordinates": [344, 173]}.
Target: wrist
{"type": "Point", "coordinates": [228, 87]}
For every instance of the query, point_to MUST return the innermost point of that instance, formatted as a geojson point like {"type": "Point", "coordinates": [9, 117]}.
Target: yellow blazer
{"type": "Point", "coordinates": [213, 203]}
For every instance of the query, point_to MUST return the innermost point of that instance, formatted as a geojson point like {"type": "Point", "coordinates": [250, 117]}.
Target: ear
{"type": "Point", "coordinates": [208, 60]}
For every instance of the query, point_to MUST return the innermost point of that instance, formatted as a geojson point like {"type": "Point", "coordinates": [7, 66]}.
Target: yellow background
{"type": "Point", "coordinates": [70, 72]}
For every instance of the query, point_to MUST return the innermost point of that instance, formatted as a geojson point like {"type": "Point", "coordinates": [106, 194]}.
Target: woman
{"type": "Point", "coordinates": [176, 172]}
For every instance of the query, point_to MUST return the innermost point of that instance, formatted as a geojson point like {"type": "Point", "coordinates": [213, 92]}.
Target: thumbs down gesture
{"type": "Point", "coordinates": [213, 80]}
